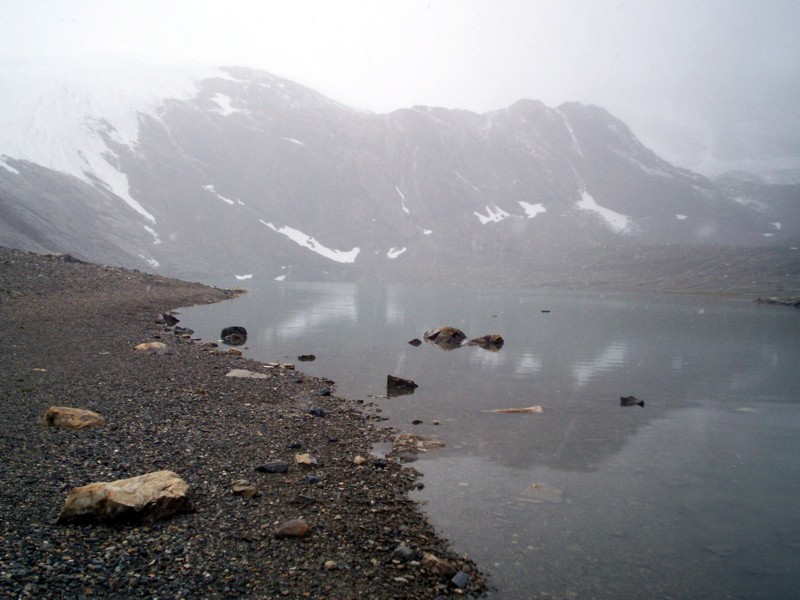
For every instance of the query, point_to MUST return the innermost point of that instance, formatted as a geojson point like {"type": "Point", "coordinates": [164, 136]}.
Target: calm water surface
{"type": "Point", "coordinates": [697, 494]}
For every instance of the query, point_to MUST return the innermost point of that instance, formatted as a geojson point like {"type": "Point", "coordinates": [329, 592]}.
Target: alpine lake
{"type": "Point", "coordinates": [695, 494]}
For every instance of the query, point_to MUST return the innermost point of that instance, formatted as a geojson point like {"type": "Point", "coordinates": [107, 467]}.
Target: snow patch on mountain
{"type": "Point", "coordinates": [531, 210]}
{"type": "Point", "coordinates": [211, 189]}
{"type": "Point", "coordinates": [394, 252]}
{"type": "Point", "coordinates": [309, 242]}
{"type": "Point", "coordinates": [8, 167]}
{"type": "Point", "coordinates": [464, 179]}
{"type": "Point", "coordinates": [403, 201]}
{"type": "Point", "coordinates": [244, 277]}
{"type": "Point", "coordinates": [681, 217]}
{"type": "Point", "coordinates": [151, 231]}
{"type": "Point", "coordinates": [68, 117]}
{"type": "Point", "coordinates": [294, 141]}
{"type": "Point", "coordinates": [224, 103]}
{"type": "Point", "coordinates": [493, 215]}
{"type": "Point", "coordinates": [616, 221]}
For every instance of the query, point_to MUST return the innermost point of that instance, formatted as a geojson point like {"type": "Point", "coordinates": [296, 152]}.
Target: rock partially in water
{"type": "Point", "coordinates": [630, 401]}
{"type": "Point", "coordinates": [306, 357]}
{"type": "Point", "coordinates": [446, 337]}
{"type": "Point", "coordinates": [147, 498]}
{"type": "Point", "coordinates": [168, 320]}
{"type": "Point", "coordinates": [397, 386]}
{"type": "Point", "coordinates": [66, 417]}
{"type": "Point", "coordinates": [415, 342]}
{"type": "Point", "coordinates": [492, 342]}
{"type": "Point", "coordinates": [528, 410]}
{"type": "Point", "coordinates": [414, 443]}
{"type": "Point", "coordinates": [439, 565]}
{"type": "Point", "coordinates": [460, 580]}
{"type": "Point", "coordinates": [236, 335]}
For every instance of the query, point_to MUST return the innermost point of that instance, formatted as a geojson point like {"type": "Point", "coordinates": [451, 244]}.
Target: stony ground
{"type": "Point", "coordinates": [68, 333]}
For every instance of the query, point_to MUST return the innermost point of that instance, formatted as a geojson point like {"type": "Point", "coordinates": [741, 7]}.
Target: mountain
{"type": "Point", "coordinates": [214, 174]}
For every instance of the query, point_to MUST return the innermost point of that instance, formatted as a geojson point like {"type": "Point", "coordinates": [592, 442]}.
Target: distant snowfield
{"type": "Point", "coordinates": [57, 113]}
{"type": "Point", "coordinates": [309, 242]}
{"type": "Point", "coordinates": [531, 210]}
{"type": "Point", "coordinates": [616, 221]}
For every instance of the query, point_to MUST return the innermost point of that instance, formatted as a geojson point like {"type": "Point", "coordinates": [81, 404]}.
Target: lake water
{"type": "Point", "coordinates": [694, 495]}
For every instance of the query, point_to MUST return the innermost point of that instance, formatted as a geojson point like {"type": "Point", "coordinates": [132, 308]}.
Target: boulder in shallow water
{"type": "Point", "coordinates": [397, 386]}
{"type": "Point", "coordinates": [66, 417]}
{"type": "Point", "coordinates": [446, 337]}
{"type": "Point", "coordinates": [236, 335]}
{"type": "Point", "coordinates": [147, 498]}
{"type": "Point", "coordinates": [492, 342]}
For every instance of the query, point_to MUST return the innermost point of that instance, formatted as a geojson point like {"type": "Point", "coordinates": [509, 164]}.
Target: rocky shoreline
{"type": "Point", "coordinates": [70, 329]}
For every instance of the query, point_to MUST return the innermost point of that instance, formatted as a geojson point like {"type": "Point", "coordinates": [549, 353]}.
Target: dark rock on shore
{"type": "Point", "coordinates": [790, 301]}
{"type": "Point", "coordinates": [177, 411]}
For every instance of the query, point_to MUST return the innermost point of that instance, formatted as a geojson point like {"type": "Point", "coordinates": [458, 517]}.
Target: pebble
{"type": "Point", "coordinates": [277, 466]}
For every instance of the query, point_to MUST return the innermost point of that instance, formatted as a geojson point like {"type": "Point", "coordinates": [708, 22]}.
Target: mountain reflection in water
{"type": "Point", "coordinates": [692, 495]}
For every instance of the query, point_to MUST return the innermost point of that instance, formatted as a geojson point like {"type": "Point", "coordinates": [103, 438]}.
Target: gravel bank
{"type": "Point", "coordinates": [69, 329]}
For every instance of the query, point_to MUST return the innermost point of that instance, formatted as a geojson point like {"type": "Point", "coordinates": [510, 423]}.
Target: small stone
{"type": "Point", "coordinates": [305, 459]}
{"type": "Point", "coordinates": [416, 422]}
{"type": "Point", "coordinates": [404, 552]}
{"type": "Point", "coordinates": [234, 352]}
{"type": "Point", "coordinates": [296, 528]}
{"type": "Point", "coordinates": [323, 392]}
{"type": "Point", "coordinates": [317, 411]}
{"type": "Point", "coordinates": [439, 565]}
{"type": "Point", "coordinates": [460, 580]}
{"type": "Point", "coordinates": [311, 479]}
{"type": "Point", "coordinates": [244, 488]}
{"type": "Point", "coordinates": [330, 565]}
{"type": "Point", "coordinates": [359, 460]}
{"type": "Point", "coordinates": [277, 466]}
{"type": "Point", "coordinates": [306, 357]}
{"type": "Point", "coordinates": [380, 463]}
{"type": "Point", "coordinates": [415, 342]}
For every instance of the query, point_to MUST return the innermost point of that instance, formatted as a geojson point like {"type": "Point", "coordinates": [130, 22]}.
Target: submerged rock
{"type": "Point", "coordinates": [148, 498]}
{"type": "Point", "coordinates": [630, 401]}
{"type": "Point", "coordinates": [66, 417]}
{"type": "Point", "coordinates": [492, 342]}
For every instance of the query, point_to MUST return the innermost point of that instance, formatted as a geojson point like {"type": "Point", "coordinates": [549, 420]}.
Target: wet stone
{"type": "Point", "coordinates": [277, 466]}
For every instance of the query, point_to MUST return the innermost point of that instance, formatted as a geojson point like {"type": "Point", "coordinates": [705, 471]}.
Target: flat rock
{"type": "Point", "coordinates": [244, 488]}
{"type": "Point", "coordinates": [66, 417]}
{"type": "Point", "coordinates": [414, 443]}
{"type": "Point", "coordinates": [245, 374]}
{"type": "Point", "coordinates": [277, 466]}
{"type": "Point", "coordinates": [528, 410]}
{"type": "Point", "coordinates": [148, 498]}
{"type": "Point", "coordinates": [150, 347]}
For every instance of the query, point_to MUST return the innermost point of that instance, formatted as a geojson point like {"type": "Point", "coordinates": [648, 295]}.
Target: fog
{"type": "Point", "coordinates": [710, 86]}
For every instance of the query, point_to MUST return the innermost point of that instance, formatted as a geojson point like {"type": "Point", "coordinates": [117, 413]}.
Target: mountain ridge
{"type": "Point", "coordinates": [247, 172]}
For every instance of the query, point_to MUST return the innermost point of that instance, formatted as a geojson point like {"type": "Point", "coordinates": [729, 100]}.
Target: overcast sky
{"type": "Point", "coordinates": [709, 84]}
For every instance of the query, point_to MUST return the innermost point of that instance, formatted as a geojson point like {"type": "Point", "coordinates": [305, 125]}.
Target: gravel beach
{"type": "Point", "coordinates": [69, 332]}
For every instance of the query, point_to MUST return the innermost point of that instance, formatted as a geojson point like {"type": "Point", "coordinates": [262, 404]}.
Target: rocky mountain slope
{"type": "Point", "coordinates": [232, 172]}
